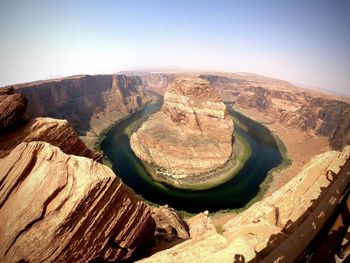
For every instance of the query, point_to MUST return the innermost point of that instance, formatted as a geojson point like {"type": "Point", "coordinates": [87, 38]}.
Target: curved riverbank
{"type": "Point", "coordinates": [233, 194]}
{"type": "Point", "coordinates": [241, 153]}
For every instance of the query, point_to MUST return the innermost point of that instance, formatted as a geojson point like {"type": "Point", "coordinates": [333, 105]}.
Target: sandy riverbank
{"type": "Point", "coordinates": [241, 152]}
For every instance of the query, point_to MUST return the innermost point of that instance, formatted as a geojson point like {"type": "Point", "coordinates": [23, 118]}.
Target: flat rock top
{"type": "Point", "coordinates": [194, 87]}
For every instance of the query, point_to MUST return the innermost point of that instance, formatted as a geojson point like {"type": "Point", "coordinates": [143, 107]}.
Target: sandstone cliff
{"type": "Point", "coordinates": [89, 103]}
{"type": "Point", "coordinates": [276, 229]}
{"type": "Point", "coordinates": [341, 135]}
{"type": "Point", "coordinates": [56, 207]}
{"type": "Point", "coordinates": [312, 112]}
{"type": "Point", "coordinates": [192, 134]}
{"type": "Point", "coordinates": [157, 82]}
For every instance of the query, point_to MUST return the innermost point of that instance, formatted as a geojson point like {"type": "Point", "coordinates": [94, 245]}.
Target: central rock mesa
{"type": "Point", "coordinates": [191, 135]}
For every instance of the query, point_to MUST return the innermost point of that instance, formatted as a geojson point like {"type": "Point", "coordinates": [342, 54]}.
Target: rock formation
{"type": "Point", "coordinates": [192, 134]}
{"type": "Point", "coordinates": [157, 82]}
{"type": "Point", "coordinates": [12, 108]}
{"type": "Point", "coordinates": [89, 103]}
{"type": "Point", "coordinates": [341, 135]}
{"type": "Point", "coordinates": [56, 132]}
{"type": "Point", "coordinates": [275, 229]}
{"type": "Point", "coordinates": [169, 224]}
{"type": "Point", "coordinates": [56, 207]}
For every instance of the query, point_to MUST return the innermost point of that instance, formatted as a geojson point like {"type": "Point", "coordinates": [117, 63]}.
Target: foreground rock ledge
{"type": "Point", "coordinates": [56, 207]}
{"type": "Point", "coordinates": [275, 229]}
{"type": "Point", "coordinates": [192, 134]}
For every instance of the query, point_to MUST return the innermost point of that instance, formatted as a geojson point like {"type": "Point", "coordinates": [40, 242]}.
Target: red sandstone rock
{"type": "Point", "coordinates": [56, 132]}
{"type": "Point", "coordinates": [12, 108]}
{"type": "Point", "coordinates": [89, 103]}
{"type": "Point", "coordinates": [169, 224]}
{"type": "Point", "coordinates": [56, 207]}
{"type": "Point", "coordinates": [192, 134]}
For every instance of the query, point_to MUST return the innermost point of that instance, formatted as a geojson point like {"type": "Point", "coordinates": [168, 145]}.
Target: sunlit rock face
{"type": "Point", "coordinates": [192, 133]}
{"type": "Point", "coordinates": [56, 207]}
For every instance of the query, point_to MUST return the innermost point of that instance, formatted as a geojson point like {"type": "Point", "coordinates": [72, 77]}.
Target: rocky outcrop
{"type": "Point", "coordinates": [12, 108]}
{"type": "Point", "coordinates": [341, 135]}
{"type": "Point", "coordinates": [192, 134]}
{"type": "Point", "coordinates": [89, 103]}
{"type": "Point", "coordinates": [276, 229]}
{"type": "Point", "coordinates": [56, 207]}
{"type": "Point", "coordinates": [169, 224]}
{"type": "Point", "coordinates": [56, 132]}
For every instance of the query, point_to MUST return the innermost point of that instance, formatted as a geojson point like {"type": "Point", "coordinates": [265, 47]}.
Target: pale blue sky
{"type": "Point", "coordinates": [300, 41]}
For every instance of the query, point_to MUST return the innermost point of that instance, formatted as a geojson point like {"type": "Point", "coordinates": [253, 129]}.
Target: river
{"type": "Point", "coordinates": [233, 194]}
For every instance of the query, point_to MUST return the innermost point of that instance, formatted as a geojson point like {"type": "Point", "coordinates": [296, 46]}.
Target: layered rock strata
{"type": "Point", "coordinates": [276, 229]}
{"type": "Point", "coordinates": [89, 103]}
{"type": "Point", "coordinates": [315, 113]}
{"type": "Point", "coordinates": [56, 132]}
{"type": "Point", "coordinates": [12, 108]}
{"type": "Point", "coordinates": [56, 207]}
{"type": "Point", "coordinates": [169, 224]}
{"type": "Point", "coordinates": [192, 134]}
{"type": "Point", "coordinates": [16, 129]}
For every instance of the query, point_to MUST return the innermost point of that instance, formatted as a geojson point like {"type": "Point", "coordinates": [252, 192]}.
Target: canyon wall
{"type": "Point", "coordinates": [314, 113]}
{"type": "Point", "coordinates": [92, 103]}
{"type": "Point", "coordinates": [157, 82]}
{"type": "Point", "coordinates": [89, 103]}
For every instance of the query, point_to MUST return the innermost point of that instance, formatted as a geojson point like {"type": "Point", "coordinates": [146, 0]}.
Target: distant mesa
{"type": "Point", "coordinates": [191, 135]}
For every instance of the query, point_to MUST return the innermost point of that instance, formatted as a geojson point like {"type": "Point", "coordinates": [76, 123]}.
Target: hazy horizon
{"type": "Point", "coordinates": [300, 42]}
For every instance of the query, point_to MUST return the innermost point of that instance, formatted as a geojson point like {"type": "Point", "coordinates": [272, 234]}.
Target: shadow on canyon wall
{"type": "Point", "coordinates": [328, 240]}
{"type": "Point", "coordinates": [79, 99]}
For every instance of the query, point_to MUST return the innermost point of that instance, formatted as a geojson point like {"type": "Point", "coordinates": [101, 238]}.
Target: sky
{"type": "Point", "coordinates": [304, 42]}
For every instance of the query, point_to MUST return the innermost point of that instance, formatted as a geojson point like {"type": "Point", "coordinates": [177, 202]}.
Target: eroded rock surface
{"type": "Point", "coordinates": [89, 103]}
{"type": "Point", "coordinates": [56, 132]}
{"type": "Point", "coordinates": [315, 113]}
{"type": "Point", "coordinates": [192, 134]}
{"type": "Point", "coordinates": [169, 224]}
{"type": "Point", "coordinates": [12, 108]}
{"type": "Point", "coordinates": [56, 207]}
{"type": "Point", "coordinates": [341, 135]}
{"type": "Point", "coordinates": [276, 229]}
